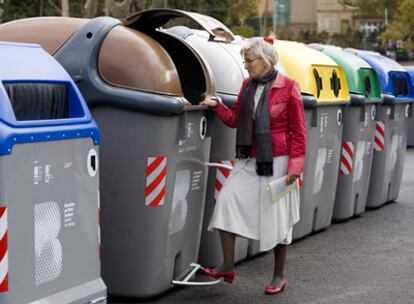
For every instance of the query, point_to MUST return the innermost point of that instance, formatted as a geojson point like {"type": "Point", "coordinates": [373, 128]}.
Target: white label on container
{"type": "Point", "coordinates": [323, 123]}
{"type": "Point", "coordinates": [320, 164]}
{"type": "Point", "coordinates": [48, 173]}
{"type": "Point", "coordinates": [196, 181]}
{"type": "Point", "coordinates": [179, 207]}
{"type": "Point", "coordinates": [394, 148]}
{"type": "Point", "coordinates": [190, 129]}
{"type": "Point", "coordinates": [67, 165]}
{"type": "Point", "coordinates": [368, 147]}
{"type": "Point", "coordinates": [359, 160]}
{"type": "Point", "coordinates": [68, 214]}
{"type": "Point", "coordinates": [37, 173]}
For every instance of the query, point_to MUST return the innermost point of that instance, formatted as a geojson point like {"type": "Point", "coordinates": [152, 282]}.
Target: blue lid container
{"type": "Point", "coordinates": [395, 81]}
{"type": "Point", "coordinates": [38, 99]}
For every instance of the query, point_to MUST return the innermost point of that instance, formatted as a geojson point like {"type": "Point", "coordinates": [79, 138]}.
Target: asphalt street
{"type": "Point", "coordinates": [368, 259]}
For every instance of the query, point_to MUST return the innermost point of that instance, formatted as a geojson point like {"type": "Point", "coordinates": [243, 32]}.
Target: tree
{"type": "Point", "coordinates": [349, 38]}
{"type": "Point", "coordinates": [243, 30]}
{"type": "Point", "coordinates": [242, 13]}
{"type": "Point", "coordinates": [310, 36]}
{"type": "Point", "coordinates": [65, 8]}
{"type": "Point", "coordinates": [403, 26]}
{"type": "Point", "coordinates": [243, 9]}
{"type": "Point", "coordinates": [374, 8]}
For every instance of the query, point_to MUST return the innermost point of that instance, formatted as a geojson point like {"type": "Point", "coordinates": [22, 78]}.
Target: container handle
{"type": "Point", "coordinates": [218, 165]}
{"type": "Point", "coordinates": [185, 277]}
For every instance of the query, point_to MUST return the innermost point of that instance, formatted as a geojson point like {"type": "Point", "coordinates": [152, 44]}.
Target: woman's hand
{"type": "Point", "coordinates": [291, 178]}
{"type": "Point", "coordinates": [212, 103]}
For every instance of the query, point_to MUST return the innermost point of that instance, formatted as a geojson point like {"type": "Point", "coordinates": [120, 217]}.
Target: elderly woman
{"type": "Point", "coordinates": [270, 144]}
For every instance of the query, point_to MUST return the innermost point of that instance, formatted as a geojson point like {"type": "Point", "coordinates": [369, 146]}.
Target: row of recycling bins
{"type": "Point", "coordinates": [147, 193]}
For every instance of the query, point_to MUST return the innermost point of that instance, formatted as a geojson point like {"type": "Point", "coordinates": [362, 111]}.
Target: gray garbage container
{"type": "Point", "coordinates": [325, 93]}
{"type": "Point", "coordinates": [391, 128]}
{"type": "Point", "coordinates": [138, 81]}
{"type": "Point", "coordinates": [49, 184]}
{"type": "Point", "coordinates": [358, 135]}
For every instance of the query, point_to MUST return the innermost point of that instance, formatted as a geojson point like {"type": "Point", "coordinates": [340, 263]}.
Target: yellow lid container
{"type": "Point", "coordinates": [317, 74]}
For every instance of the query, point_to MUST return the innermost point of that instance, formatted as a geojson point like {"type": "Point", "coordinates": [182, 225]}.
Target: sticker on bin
{"type": "Point", "coordinates": [155, 184]}
{"type": "Point", "coordinates": [359, 160]}
{"type": "Point", "coordinates": [379, 136]}
{"type": "Point", "coordinates": [221, 175]}
{"type": "Point", "coordinates": [4, 267]}
{"type": "Point", "coordinates": [347, 158]}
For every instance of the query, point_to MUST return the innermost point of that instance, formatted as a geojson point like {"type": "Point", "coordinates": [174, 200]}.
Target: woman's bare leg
{"type": "Point", "coordinates": [280, 253]}
{"type": "Point", "coordinates": [227, 245]}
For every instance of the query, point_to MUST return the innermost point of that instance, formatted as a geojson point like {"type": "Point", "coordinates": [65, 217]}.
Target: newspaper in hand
{"type": "Point", "coordinates": [279, 188]}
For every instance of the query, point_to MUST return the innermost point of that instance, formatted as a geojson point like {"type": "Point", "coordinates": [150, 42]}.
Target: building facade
{"type": "Point", "coordinates": [315, 15]}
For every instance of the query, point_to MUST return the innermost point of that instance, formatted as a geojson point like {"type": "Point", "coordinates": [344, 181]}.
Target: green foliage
{"type": "Point", "coordinates": [14, 9]}
{"type": "Point", "coordinates": [403, 26]}
{"type": "Point", "coordinates": [243, 30]}
{"type": "Point", "coordinates": [243, 9]}
{"type": "Point", "coordinates": [218, 9]}
{"type": "Point", "coordinates": [308, 36]}
{"type": "Point", "coordinates": [242, 15]}
{"type": "Point", "coordinates": [374, 8]}
{"type": "Point", "coordinates": [348, 39]}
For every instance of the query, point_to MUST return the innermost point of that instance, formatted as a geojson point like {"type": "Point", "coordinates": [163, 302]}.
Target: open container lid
{"type": "Point", "coordinates": [361, 77]}
{"type": "Point", "coordinates": [224, 59]}
{"type": "Point", "coordinates": [155, 18]}
{"type": "Point", "coordinates": [318, 75]}
{"type": "Point", "coordinates": [394, 80]}
{"type": "Point", "coordinates": [150, 23]}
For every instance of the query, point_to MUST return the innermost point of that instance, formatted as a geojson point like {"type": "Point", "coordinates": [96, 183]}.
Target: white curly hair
{"type": "Point", "coordinates": [262, 49]}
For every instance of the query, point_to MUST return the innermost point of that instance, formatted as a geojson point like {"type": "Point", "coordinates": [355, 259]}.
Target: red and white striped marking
{"type": "Point", "coordinates": [4, 267]}
{"type": "Point", "coordinates": [155, 185]}
{"type": "Point", "coordinates": [221, 175]}
{"type": "Point", "coordinates": [347, 158]}
{"type": "Point", "coordinates": [379, 136]}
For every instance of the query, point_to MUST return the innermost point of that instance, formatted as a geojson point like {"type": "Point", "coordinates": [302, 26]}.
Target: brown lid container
{"type": "Point", "coordinates": [131, 56]}
{"type": "Point", "coordinates": [50, 32]}
{"type": "Point", "coordinates": [134, 60]}
{"type": "Point", "coordinates": [128, 58]}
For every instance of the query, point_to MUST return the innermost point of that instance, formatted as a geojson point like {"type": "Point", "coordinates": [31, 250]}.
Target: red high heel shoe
{"type": "Point", "coordinates": [275, 290]}
{"type": "Point", "coordinates": [227, 276]}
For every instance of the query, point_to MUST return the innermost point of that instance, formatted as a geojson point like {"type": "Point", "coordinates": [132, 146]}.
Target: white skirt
{"type": "Point", "coordinates": [244, 205]}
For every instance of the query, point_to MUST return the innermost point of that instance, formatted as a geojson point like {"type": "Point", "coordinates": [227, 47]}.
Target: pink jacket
{"type": "Point", "coordinates": [287, 121]}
